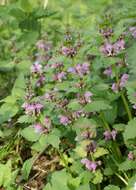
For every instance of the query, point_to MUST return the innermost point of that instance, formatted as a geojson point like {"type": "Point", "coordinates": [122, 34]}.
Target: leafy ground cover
{"type": "Point", "coordinates": [68, 95]}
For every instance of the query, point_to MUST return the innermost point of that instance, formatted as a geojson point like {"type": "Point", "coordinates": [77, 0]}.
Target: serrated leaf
{"type": "Point", "coordinates": [100, 152]}
{"type": "Point", "coordinates": [27, 168]}
{"type": "Point", "coordinates": [74, 105]}
{"type": "Point", "coordinates": [29, 134]}
{"type": "Point", "coordinates": [5, 174]}
{"type": "Point", "coordinates": [130, 130]}
{"type": "Point", "coordinates": [25, 119]}
{"type": "Point", "coordinates": [112, 187]}
{"type": "Point", "coordinates": [127, 165]}
{"type": "Point", "coordinates": [56, 181]}
{"type": "Point", "coordinates": [98, 177]}
{"type": "Point", "coordinates": [54, 138]}
{"type": "Point", "coordinates": [97, 106]}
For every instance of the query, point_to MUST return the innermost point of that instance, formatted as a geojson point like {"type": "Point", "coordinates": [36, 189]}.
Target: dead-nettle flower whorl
{"type": "Point", "coordinates": [36, 68]}
{"type": "Point", "coordinates": [110, 135]}
{"type": "Point", "coordinates": [87, 96]}
{"type": "Point", "coordinates": [32, 108]}
{"type": "Point", "coordinates": [110, 49]}
{"type": "Point", "coordinates": [64, 120]}
{"type": "Point", "coordinates": [38, 128]}
{"type": "Point", "coordinates": [133, 31]}
{"type": "Point", "coordinates": [131, 156]}
{"type": "Point", "coordinates": [108, 72]}
{"type": "Point", "coordinates": [123, 80]}
{"type": "Point", "coordinates": [90, 165]}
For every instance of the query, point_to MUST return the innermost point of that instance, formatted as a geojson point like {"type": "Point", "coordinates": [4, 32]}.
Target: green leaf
{"type": "Point", "coordinates": [41, 144]}
{"type": "Point", "coordinates": [74, 105]}
{"type": "Point", "coordinates": [130, 130]}
{"type": "Point", "coordinates": [5, 174]}
{"type": "Point", "coordinates": [97, 106]}
{"type": "Point", "coordinates": [54, 138]}
{"type": "Point", "coordinates": [111, 114]}
{"type": "Point", "coordinates": [56, 181]}
{"type": "Point", "coordinates": [119, 127]}
{"type": "Point", "coordinates": [25, 5]}
{"type": "Point", "coordinates": [27, 168]}
{"type": "Point", "coordinates": [25, 119]}
{"type": "Point", "coordinates": [131, 59]}
{"type": "Point", "coordinates": [100, 152]}
{"type": "Point", "coordinates": [83, 187]}
{"type": "Point", "coordinates": [127, 165]}
{"type": "Point", "coordinates": [112, 187]}
{"type": "Point", "coordinates": [29, 134]}
{"type": "Point", "coordinates": [98, 177]}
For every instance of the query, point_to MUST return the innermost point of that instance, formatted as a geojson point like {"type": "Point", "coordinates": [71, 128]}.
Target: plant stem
{"type": "Point", "coordinates": [121, 178]}
{"type": "Point", "coordinates": [126, 106]}
{"type": "Point", "coordinates": [106, 125]}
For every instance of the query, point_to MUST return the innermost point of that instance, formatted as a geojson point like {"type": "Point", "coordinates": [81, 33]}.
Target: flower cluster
{"type": "Point", "coordinates": [116, 86]}
{"type": "Point", "coordinates": [90, 165]}
{"type": "Point", "coordinates": [133, 31]}
{"type": "Point", "coordinates": [68, 51]}
{"type": "Point", "coordinates": [64, 120]}
{"type": "Point", "coordinates": [110, 135]}
{"type": "Point", "coordinates": [32, 108]}
{"type": "Point", "coordinates": [110, 49]}
{"type": "Point", "coordinates": [80, 69]}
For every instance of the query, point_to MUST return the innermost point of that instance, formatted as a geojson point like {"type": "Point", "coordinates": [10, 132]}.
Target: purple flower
{"type": "Point", "coordinates": [88, 96]}
{"type": "Point", "coordinates": [64, 120]}
{"type": "Point", "coordinates": [56, 65]}
{"type": "Point", "coordinates": [82, 69]}
{"type": "Point", "coordinates": [107, 32]}
{"type": "Point", "coordinates": [32, 108]}
{"type": "Point", "coordinates": [40, 44]}
{"type": "Point", "coordinates": [90, 165]}
{"type": "Point", "coordinates": [123, 80]}
{"type": "Point", "coordinates": [40, 81]}
{"type": "Point", "coordinates": [130, 156]}
{"type": "Point", "coordinates": [38, 107]}
{"type": "Point", "coordinates": [107, 49]}
{"type": "Point", "coordinates": [114, 134]}
{"type": "Point", "coordinates": [107, 135]}
{"type": "Point", "coordinates": [47, 96]}
{"type": "Point", "coordinates": [65, 51]}
{"type": "Point", "coordinates": [118, 46]}
{"type": "Point", "coordinates": [86, 134]}
{"type": "Point", "coordinates": [71, 70]}
{"type": "Point", "coordinates": [60, 76]}
{"type": "Point", "coordinates": [110, 135]}
{"type": "Point", "coordinates": [112, 49]}
{"type": "Point", "coordinates": [29, 108]}
{"type": "Point", "coordinates": [38, 128]}
{"type": "Point", "coordinates": [114, 87]}
{"type": "Point", "coordinates": [133, 31]}
{"type": "Point", "coordinates": [47, 122]}
{"type": "Point", "coordinates": [36, 68]}
{"type": "Point", "coordinates": [108, 72]}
